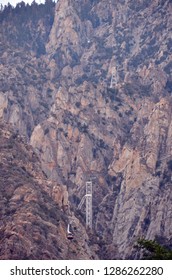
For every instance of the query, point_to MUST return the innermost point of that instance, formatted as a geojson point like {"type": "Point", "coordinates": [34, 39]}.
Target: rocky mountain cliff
{"type": "Point", "coordinates": [91, 91]}
{"type": "Point", "coordinates": [34, 210]}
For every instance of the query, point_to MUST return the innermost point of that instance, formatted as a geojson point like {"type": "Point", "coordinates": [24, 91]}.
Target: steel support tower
{"type": "Point", "coordinates": [88, 198]}
{"type": "Point", "coordinates": [114, 78]}
{"type": "Point", "coordinates": [89, 204]}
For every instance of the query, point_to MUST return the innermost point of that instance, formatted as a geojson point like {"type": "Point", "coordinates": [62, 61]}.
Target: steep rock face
{"type": "Point", "coordinates": [24, 88]}
{"type": "Point", "coordinates": [33, 210]}
{"type": "Point", "coordinates": [97, 104]}
{"type": "Point", "coordinates": [143, 205]}
{"type": "Point", "coordinates": [134, 40]}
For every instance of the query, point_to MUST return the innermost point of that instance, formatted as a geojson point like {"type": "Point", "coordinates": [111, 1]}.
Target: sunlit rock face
{"type": "Point", "coordinates": [96, 103]}
{"type": "Point", "coordinates": [34, 211]}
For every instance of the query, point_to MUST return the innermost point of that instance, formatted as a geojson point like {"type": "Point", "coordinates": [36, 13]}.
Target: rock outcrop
{"type": "Point", "coordinates": [33, 215]}
{"type": "Point", "coordinates": [96, 103]}
{"type": "Point", "coordinates": [143, 206]}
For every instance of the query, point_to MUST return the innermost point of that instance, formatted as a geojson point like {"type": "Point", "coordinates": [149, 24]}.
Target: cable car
{"type": "Point", "coordinates": [69, 233]}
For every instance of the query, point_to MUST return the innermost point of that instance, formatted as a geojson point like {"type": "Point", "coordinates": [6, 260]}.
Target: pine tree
{"type": "Point", "coordinates": [152, 250]}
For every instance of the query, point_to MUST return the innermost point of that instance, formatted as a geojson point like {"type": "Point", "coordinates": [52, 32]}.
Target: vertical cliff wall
{"type": "Point", "coordinates": [97, 103]}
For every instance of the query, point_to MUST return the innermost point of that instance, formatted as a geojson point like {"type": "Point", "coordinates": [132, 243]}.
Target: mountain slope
{"type": "Point", "coordinates": [97, 103]}
{"type": "Point", "coordinates": [33, 216]}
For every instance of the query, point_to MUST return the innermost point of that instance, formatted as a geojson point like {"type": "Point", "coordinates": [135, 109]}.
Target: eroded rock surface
{"type": "Point", "coordinates": [84, 122]}
{"type": "Point", "coordinates": [33, 210]}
